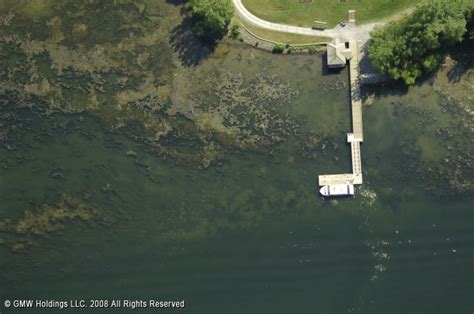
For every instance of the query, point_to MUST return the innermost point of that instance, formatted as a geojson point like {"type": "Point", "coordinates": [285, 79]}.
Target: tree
{"type": "Point", "coordinates": [469, 13]}
{"type": "Point", "coordinates": [211, 18]}
{"type": "Point", "coordinates": [407, 48]}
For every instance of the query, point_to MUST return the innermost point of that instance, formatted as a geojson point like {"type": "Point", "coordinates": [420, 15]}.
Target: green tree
{"type": "Point", "coordinates": [407, 48]}
{"type": "Point", "coordinates": [211, 18]}
{"type": "Point", "coordinates": [469, 13]}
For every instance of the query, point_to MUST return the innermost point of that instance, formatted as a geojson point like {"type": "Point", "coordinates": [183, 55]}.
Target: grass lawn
{"type": "Point", "coordinates": [293, 12]}
{"type": "Point", "coordinates": [284, 38]}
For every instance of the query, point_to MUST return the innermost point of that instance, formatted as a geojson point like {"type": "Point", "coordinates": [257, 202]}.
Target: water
{"type": "Point", "coordinates": [225, 214]}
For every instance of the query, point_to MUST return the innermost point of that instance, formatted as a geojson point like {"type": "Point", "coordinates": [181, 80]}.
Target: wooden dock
{"type": "Point", "coordinates": [357, 135]}
{"type": "Point", "coordinates": [333, 179]}
{"type": "Point", "coordinates": [356, 101]}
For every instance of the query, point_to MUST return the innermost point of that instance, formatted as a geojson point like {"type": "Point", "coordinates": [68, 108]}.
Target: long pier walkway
{"type": "Point", "coordinates": [357, 135]}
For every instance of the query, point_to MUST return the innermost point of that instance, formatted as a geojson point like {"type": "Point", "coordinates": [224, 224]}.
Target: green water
{"type": "Point", "coordinates": [245, 232]}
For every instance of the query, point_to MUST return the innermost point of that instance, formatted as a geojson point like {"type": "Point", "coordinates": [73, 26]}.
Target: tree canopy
{"type": "Point", "coordinates": [469, 13]}
{"type": "Point", "coordinates": [211, 18]}
{"type": "Point", "coordinates": [407, 48]}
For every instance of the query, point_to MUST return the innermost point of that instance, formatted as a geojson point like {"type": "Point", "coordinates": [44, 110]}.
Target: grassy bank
{"type": "Point", "coordinates": [280, 37]}
{"type": "Point", "coordinates": [331, 11]}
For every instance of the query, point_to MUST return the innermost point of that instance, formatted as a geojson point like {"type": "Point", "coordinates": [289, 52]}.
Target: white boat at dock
{"type": "Point", "coordinates": [337, 190]}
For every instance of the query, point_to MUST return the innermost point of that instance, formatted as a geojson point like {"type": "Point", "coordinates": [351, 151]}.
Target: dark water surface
{"type": "Point", "coordinates": [249, 233]}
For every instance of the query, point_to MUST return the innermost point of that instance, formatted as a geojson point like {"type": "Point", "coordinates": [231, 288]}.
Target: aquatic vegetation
{"type": "Point", "coordinates": [16, 246]}
{"type": "Point", "coordinates": [126, 73]}
{"type": "Point", "coordinates": [134, 82]}
{"type": "Point", "coordinates": [457, 166]}
{"type": "Point", "coordinates": [75, 74]}
{"type": "Point", "coordinates": [48, 219]}
{"type": "Point", "coordinates": [226, 110]}
{"type": "Point", "coordinates": [311, 142]}
{"type": "Point", "coordinates": [439, 154]}
{"type": "Point", "coordinates": [246, 112]}
{"type": "Point", "coordinates": [455, 83]}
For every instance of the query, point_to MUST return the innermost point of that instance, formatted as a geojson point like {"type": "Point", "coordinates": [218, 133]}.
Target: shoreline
{"type": "Point", "coordinates": [258, 42]}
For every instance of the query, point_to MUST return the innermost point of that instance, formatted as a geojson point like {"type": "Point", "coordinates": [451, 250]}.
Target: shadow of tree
{"type": "Point", "coordinates": [176, 2]}
{"type": "Point", "coordinates": [191, 51]}
{"type": "Point", "coordinates": [463, 54]}
{"type": "Point", "coordinates": [389, 88]}
{"type": "Point", "coordinates": [365, 64]}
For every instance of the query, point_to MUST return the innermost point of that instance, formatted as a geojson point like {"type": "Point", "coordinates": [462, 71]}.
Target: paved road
{"type": "Point", "coordinates": [355, 32]}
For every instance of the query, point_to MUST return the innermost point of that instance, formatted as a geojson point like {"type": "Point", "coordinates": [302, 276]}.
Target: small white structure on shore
{"type": "Point", "coordinates": [338, 53]}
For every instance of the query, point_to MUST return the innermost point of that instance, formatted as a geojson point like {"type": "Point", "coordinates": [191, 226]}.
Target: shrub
{"type": "Point", "coordinates": [235, 31]}
{"type": "Point", "coordinates": [278, 48]}
{"type": "Point", "coordinates": [312, 50]}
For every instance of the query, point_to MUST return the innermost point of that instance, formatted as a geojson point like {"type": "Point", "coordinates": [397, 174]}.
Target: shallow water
{"type": "Point", "coordinates": [249, 233]}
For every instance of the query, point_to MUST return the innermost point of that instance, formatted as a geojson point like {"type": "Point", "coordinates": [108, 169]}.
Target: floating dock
{"type": "Point", "coordinates": [357, 136]}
